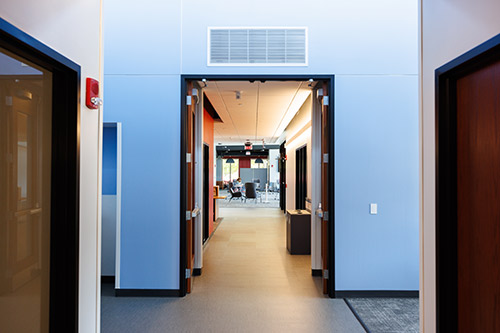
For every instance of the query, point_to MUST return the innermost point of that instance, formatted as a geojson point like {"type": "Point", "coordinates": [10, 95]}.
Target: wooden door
{"type": "Point", "coordinates": [478, 200]}
{"type": "Point", "coordinates": [190, 184]}
{"type": "Point", "coordinates": [325, 140]}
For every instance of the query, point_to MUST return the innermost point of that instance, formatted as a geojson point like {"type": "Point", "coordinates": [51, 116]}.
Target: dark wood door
{"type": "Point", "coordinates": [325, 139]}
{"type": "Point", "coordinates": [478, 200]}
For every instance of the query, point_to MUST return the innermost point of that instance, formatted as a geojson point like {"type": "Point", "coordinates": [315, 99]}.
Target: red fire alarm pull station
{"type": "Point", "coordinates": [92, 99]}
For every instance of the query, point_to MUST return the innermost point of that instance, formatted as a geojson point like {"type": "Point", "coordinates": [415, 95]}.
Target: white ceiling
{"type": "Point", "coordinates": [263, 112]}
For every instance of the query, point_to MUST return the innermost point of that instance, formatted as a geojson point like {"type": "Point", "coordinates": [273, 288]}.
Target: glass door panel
{"type": "Point", "coordinates": [25, 174]}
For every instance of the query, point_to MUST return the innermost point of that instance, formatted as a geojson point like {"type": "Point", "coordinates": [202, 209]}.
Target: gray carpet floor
{"type": "Point", "coordinates": [273, 199]}
{"type": "Point", "coordinates": [387, 315]}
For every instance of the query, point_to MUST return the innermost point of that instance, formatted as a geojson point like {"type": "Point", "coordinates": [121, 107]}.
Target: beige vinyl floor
{"type": "Point", "coordinates": [249, 283]}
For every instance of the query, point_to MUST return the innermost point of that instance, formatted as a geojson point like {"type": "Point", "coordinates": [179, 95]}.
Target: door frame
{"type": "Point", "coordinates": [205, 204]}
{"type": "Point", "coordinates": [65, 173]}
{"type": "Point", "coordinates": [282, 171]}
{"type": "Point", "coordinates": [301, 177]}
{"type": "Point", "coordinates": [330, 79]}
{"type": "Point", "coordinates": [446, 78]}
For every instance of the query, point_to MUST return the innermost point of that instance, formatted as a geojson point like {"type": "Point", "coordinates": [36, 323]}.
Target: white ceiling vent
{"type": "Point", "coordinates": [257, 46]}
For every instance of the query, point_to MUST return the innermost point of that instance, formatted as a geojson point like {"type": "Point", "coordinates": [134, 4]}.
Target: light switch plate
{"type": "Point", "coordinates": [373, 208]}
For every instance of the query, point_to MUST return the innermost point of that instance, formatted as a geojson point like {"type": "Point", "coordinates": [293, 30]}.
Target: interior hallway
{"type": "Point", "coordinates": [249, 284]}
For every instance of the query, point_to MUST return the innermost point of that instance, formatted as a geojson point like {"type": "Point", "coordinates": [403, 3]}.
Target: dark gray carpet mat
{"type": "Point", "coordinates": [387, 315]}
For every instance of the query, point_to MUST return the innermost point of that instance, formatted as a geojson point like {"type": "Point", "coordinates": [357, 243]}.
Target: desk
{"type": "Point", "coordinates": [216, 206]}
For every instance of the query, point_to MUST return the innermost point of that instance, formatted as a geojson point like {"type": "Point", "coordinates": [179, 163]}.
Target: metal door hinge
{"type": "Point", "coordinates": [320, 92]}
{"type": "Point", "coordinates": [195, 211]}
{"type": "Point", "coordinates": [188, 215]}
{"type": "Point", "coordinates": [188, 158]}
{"type": "Point", "coordinates": [188, 273]}
{"type": "Point", "coordinates": [325, 100]}
{"type": "Point", "coordinates": [188, 100]}
{"type": "Point", "coordinates": [325, 216]}
{"type": "Point", "coordinates": [319, 211]}
{"type": "Point", "coordinates": [325, 158]}
{"type": "Point", "coordinates": [8, 100]}
{"type": "Point", "coordinates": [325, 274]}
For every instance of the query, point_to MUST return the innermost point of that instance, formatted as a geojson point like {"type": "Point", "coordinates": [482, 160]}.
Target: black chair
{"type": "Point", "coordinates": [234, 193]}
{"type": "Point", "coordinates": [250, 192]}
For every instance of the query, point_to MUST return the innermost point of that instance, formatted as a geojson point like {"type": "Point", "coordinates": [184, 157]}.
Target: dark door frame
{"type": "Point", "coordinates": [282, 163]}
{"type": "Point", "coordinates": [330, 79]}
{"type": "Point", "coordinates": [65, 180]}
{"type": "Point", "coordinates": [205, 194]}
{"type": "Point", "coordinates": [446, 177]}
{"type": "Point", "coordinates": [301, 177]}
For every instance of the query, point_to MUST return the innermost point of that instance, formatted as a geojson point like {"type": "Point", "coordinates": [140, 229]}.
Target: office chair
{"type": "Point", "coordinates": [234, 194]}
{"type": "Point", "coordinates": [251, 192]}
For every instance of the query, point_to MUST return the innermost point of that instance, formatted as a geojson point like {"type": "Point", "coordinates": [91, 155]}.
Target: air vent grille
{"type": "Point", "coordinates": [257, 46]}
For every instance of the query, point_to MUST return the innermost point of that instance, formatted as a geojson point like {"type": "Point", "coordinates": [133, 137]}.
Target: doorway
{"type": "Point", "coordinates": [39, 184]}
{"type": "Point", "coordinates": [206, 189]}
{"type": "Point", "coordinates": [467, 191]}
{"type": "Point", "coordinates": [111, 203]}
{"type": "Point", "coordinates": [300, 177]}
{"type": "Point", "coordinates": [189, 99]}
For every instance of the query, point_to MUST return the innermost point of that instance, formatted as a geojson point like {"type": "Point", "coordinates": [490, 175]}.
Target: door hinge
{"type": "Point", "coordinates": [8, 100]}
{"type": "Point", "coordinates": [188, 215]}
{"type": "Point", "coordinates": [320, 92]}
{"type": "Point", "coordinates": [188, 100]}
{"type": "Point", "coordinates": [325, 158]}
{"type": "Point", "coordinates": [188, 158]}
{"type": "Point", "coordinates": [195, 211]}
{"type": "Point", "coordinates": [188, 273]}
{"type": "Point", "coordinates": [325, 216]}
{"type": "Point", "coordinates": [325, 100]}
{"type": "Point", "coordinates": [325, 274]}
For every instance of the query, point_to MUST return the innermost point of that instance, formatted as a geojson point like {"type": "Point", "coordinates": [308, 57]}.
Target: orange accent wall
{"type": "Point", "coordinates": [208, 138]}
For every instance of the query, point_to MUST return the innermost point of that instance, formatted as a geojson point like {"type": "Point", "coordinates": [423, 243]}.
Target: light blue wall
{"type": "Point", "coordinates": [376, 161]}
{"type": "Point", "coordinates": [148, 44]}
{"type": "Point", "coordinates": [345, 37]}
{"type": "Point", "coordinates": [148, 107]}
{"type": "Point", "coordinates": [141, 89]}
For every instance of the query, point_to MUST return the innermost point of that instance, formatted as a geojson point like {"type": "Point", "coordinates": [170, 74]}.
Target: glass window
{"type": "Point", "coordinates": [230, 171]}
{"type": "Point", "coordinates": [25, 139]}
{"type": "Point", "coordinates": [262, 165]}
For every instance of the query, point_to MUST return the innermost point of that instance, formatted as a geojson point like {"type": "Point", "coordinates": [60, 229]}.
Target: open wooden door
{"type": "Point", "coordinates": [191, 209]}
{"type": "Point", "coordinates": [325, 141]}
